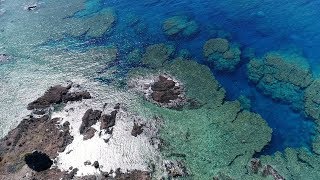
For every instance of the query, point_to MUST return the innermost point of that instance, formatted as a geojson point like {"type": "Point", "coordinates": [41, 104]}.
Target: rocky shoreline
{"type": "Point", "coordinates": [30, 150]}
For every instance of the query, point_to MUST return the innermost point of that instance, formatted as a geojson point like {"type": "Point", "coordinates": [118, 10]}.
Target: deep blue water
{"type": "Point", "coordinates": [263, 25]}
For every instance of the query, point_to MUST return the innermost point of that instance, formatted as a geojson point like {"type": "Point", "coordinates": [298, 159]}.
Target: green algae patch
{"type": "Point", "coordinates": [216, 139]}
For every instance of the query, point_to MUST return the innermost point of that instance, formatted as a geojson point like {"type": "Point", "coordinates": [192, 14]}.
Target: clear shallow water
{"type": "Point", "coordinates": [261, 25]}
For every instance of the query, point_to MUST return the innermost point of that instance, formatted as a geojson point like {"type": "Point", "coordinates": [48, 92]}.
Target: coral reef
{"type": "Point", "coordinates": [180, 26]}
{"type": "Point", "coordinates": [312, 100]}
{"type": "Point", "coordinates": [134, 57]}
{"type": "Point", "coordinates": [221, 55]}
{"type": "Point", "coordinates": [218, 137]}
{"type": "Point", "coordinates": [158, 54]}
{"type": "Point", "coordinates": [283, 77]}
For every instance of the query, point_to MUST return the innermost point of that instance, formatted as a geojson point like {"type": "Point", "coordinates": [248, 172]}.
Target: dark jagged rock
{"type": "Point", "coordinates": [163, 84]}
{"type": "Point", "coordinates": [117, 106]}
{"type": "Point", "coordinates": [71, 174]}
{"type": "Point", "coordinates": [76, 96]}
{"type": "Point", "coordinates": [89, 177]}
{"type": "Point", "coordinates": [175, 169]}
{"type": "Point", "coordinates": [137, 129]}
{"type": "Point", "coordinates": [51, 96]}
{"type": "Point", "coordinates": [38, 161]}
{"type": "Point", "coordinates": [108, 121]}
{"type": "Point", "coordinates": [95, 164]}
{"type": "Point", "coordinates": [89, 133]}
{"type": "Point", "coordinates": [255, 165]}
{"type": "Point", "coordinates": [57, 94]}
{"type": "Point", "coordinates": [266, 170]}
{"type": "Point", "coordinates": [31, 7]}
{"type": "Point", "coordinates": [89, 118]}
{"type": "Point", "coordinates": [269, 170]}
{"type": "Point", "coordinates": [165, 90]}
{"type": "Point", "coordinates": [132, 175]}
{"type": "Point", "coordinates": [164, 96]}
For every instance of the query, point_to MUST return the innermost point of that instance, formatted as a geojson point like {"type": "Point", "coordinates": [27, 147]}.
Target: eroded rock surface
{"type": "Point", "coordinates": [165, 90]}
{"type": "Point", "coordinates": [89, 118]}
{"type": "Point", "coordinates": [33, 133]}
{"type": "Point", "coordinates": [57, 94]}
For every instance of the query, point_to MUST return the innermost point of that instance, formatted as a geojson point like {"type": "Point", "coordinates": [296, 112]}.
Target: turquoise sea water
{"type": "Point", "coordinates": [263, 26]}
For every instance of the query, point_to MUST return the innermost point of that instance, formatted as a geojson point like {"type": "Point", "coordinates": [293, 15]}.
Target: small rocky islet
{"type": "Point", "coordinates": [162, 115]}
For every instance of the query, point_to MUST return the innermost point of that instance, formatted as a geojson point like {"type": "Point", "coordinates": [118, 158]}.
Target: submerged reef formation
{"type": "Point", "coordinates": [221, 55]}
{"type": "Point", "coordinates": [288, 78]}
{"type": "Point", "coordinates": [312, 100]}
{"type": "Point", "coordinates": [218, 137]}
{"type": "Point", "coordinates": [282, 77]}
{"type": "Point", "coordinates": [156, 55]}
{"type": "Point", "coordinates": [180, 27]}
{"type": "Point", "coordinates": [94, 26]}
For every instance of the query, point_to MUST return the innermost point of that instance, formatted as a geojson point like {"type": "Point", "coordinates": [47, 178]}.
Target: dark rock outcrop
{"type": "Point", "coordinates": [108, 120]}
{"type": "Point", "coordinates": [89, 133]}
{"type": "Point", "coordinates": [137, 129]}
{"type": "Point", "coordinates": [76, 96]}
{"type": "Point", "coordinates": [95, 164]}
{"type": "Point", "coordinates": [266, 170]}
{"type": "Point", "coordinates": [269, 170]}
{"type": "Point", "coordinates": [132, 175]}
{"type": "Point", "coordinates": [175, 169]}
{"type": "Point", "coordinates": [165, 90]}
{"type": "Point", "coordinates": [51, 96]}
{"type": "Point", "coordinates": [38, 161]}
{"type": "Point", "coordinates": [89, 118]}
{"type": "Point", "coordinates": [57, 94]}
